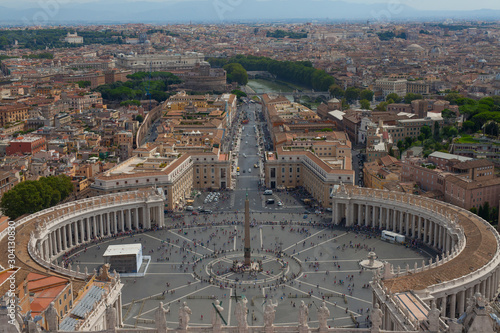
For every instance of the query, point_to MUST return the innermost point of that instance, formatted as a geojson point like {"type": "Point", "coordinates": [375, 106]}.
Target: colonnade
{"type": "Point", "coordinates": [96, 224]}
{"type": "Point", "coordinates": [412, 224]}
{"type": "Point", "coordinates": [436, 225]}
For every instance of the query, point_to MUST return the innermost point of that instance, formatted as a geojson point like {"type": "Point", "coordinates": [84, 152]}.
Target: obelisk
{"type": "Point", "coordinates": [247, 231]}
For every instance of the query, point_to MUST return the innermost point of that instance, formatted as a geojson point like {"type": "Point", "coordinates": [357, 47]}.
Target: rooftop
{"type": "Point", "coordinates": [122, 250]}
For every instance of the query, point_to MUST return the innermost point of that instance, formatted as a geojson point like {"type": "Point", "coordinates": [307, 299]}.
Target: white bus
{"type": "Point", "coordinates": [392, 237]}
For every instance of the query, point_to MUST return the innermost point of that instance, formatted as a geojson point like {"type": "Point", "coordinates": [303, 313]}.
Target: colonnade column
{"type": "Point", "coordinates": [367, 215]}
{"type": "Point", "coordinates": [94, 225]}
{"type": "Point", "coordinates": [101, 229]}
{"type": "Point", "coordinates": [147, 217]}
{"type": "Point", "coordinates": [129, 219]}
{"type": "Point", "coordinates": [374, 209]}
{"type": "Point", "coordinates": [453, 302]}
{"type": "Point", "coordinates": [87, 222]}
{"type": "Point", "coordinates": [65, 237]}
{"type": "Point", "coordinates": [108, 224]}
{"type": "Point", "coordinates": [82, 234]}
{"type": "Point", "coordinates": [461, 302]}
{"type": "Point", "coordinates": [419, 234]}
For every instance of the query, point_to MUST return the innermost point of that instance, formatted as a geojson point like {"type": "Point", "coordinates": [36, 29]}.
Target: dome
{"type": "Point", "coordinates": [415, 47]}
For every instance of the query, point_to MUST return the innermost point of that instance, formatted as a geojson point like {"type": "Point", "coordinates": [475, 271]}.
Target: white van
{"type": "Point", "coordinates": [268, 192]}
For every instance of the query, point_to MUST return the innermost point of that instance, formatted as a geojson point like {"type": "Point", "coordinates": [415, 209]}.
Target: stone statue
{"type": "Point", "coordinates": [51, 317]}
{"type": "Point", "coordinates": [184, 312]}
{"type": "Point", "coordinates": [216, 319]}
{"type": "Point", "coordinates": [433, 317]}
{"type": "Point", "coordinates": [269, 314]}
{"type": "Point", "coordinates": [110, 318]}
{"type": "Point", "coordinates": [241, 312]}
{"type": "Point", "coordinates": [376, 316]}
{"type": "Point", "coordinates": [161, 319]}
{"type": "Point", "coordinates": [303, 314]}
{"type": "Point", "coordinates": [323, 315]}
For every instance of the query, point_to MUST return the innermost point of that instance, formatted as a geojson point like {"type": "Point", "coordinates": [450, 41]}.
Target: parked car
{"type": "Point", "coordinates": [195, 213]}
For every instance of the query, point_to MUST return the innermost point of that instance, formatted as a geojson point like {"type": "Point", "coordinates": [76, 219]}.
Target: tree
{"type": "Point", "coordinates": [236, 73]}
{"type": "Point", "coordinates": [491, 128]}
{"type": "Point", "coordinates": [436, 131]}
{"type": "Point", "coordinates": [486, 211]}
{"type": "Point", "coordinates": [365, 104]}
{"type": "Point", "coordinates": [469, 126]}
{"type": "Point", "coordinates": [426, 131]}
{"type": "Point", "coordinates": [447, 113]}
{"type": "Point", "coordinates": [352, 94]}
{"type": "Point", "coordinates": [400, 145]}
{"type": "Point", "coordinates": [336, 91]}
{"type": "Point", "coordinates": [473, 210]}
{"type": "Point", "coordinates": [32, 196]}
{"type": "Point", "coordinates": [411, 97]}
{"type": "Point", "coordinates": [395, 97]}
{"type": "Point", "coordinates": [366, 94]}
{"type": "Point", "coordinates": [139, 118]}
{"type": "Point", "coordinates": [83, 84]}
{"type": "Point", "coordinates": [382, 106]}
{"type": "Point", "coordinates": [239, 94]}
{"type": "Point", "coordinates": [408, 142]}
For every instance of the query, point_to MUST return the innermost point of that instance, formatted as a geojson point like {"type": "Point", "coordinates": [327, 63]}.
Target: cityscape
{"type": "Point", "coordinates": [250, 166]}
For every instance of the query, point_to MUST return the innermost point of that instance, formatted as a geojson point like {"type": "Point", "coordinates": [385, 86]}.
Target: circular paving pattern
{"type": "Point", "coordinates": [300, 261]}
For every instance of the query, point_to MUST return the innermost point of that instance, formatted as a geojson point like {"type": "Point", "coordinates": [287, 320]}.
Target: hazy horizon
{"type": "Point", "coordinates": [461, 5]}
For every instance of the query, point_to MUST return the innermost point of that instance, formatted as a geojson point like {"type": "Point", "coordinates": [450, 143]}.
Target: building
{"type": "Point", "coordinates": [10, 114]}
{"type": "Point", "coordinates": [160, 62]}
{"type": "Point", "coordinates": [126, 258]}
{"type": "Point", "coordinates": [391, 86]}
{"type": "Point", "coordinates": [418, 87]}
{"type": "Point", "coordinates": [290, 167]}
{"type": "Point", "coordinates": [176, 175]}
{"type": "Point", "coordinates": [464, 182]}
{"type": "Point", "coordinates": [481, 147]}
{"type": "Point", "coordinates": [73, 38]}
{"type": "Point", "coordinates": [28, 144]}
{"type": "Point", "coordinates": [204, 78]}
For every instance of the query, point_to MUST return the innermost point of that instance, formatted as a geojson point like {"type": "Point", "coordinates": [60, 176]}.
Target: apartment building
{"type": "Point", "coordinates": [391, 86]}
{"type": "Point", "coordinates": [477, 148]}
{"type": "Point", "coordinates": [160, 62]}
{"type": "Point", "coordinates": [290, 167]}
{"type": "Point", "coordinates": [13, 113]}
{"type": "Point", "coordinates": [466, 183]}
{"type": "Point", "coordinates": [177, 176]}
{"type": "Point", "coordinates": [28, 144]}
{"type": "Point", "coordinates": [381, 172]}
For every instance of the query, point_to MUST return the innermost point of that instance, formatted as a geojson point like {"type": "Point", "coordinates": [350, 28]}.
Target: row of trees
{"type": "Point", "coordinates": [282, 34]}
{"type": "Point", "coordinates": [54, 38]}
{"type": "Point", "coordinates": [299, 72]}
{"type": "Point", "coordinates": [488, 213]}
{"type": "Point", "coordinates": [138, 86]}
{"type": "Point", "coordinates": [31, 196]}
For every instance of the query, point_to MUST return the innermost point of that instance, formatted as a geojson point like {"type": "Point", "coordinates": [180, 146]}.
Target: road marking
{"type": "Point", "coordinates": [336, 292]}
{"type": "Point", "coordinates": [316, 245]}
{"type": "Point", "coordinates": [261, 240]}
{"type": "Point", "coordinates": [175, 300]}
{"type": "Point", "coordinates": [235, 237]}
{"type": "Point", "coordinates": [189, 240]}
{"type": "Point", "coordinates": [328, 302]}
{"type": "Point", "coordinates": [304, 239]}
{"type": "Point", "coordinates": [174, 245]}
{"type": "Point", "coordinates": [152, 296]}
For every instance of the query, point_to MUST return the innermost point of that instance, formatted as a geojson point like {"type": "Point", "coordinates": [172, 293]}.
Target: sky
{"type": "Point", "coordinates": [418, 4]}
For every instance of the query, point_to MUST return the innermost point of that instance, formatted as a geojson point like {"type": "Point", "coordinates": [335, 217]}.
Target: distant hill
{"type": "Point", "coordinates": [220, 11]}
